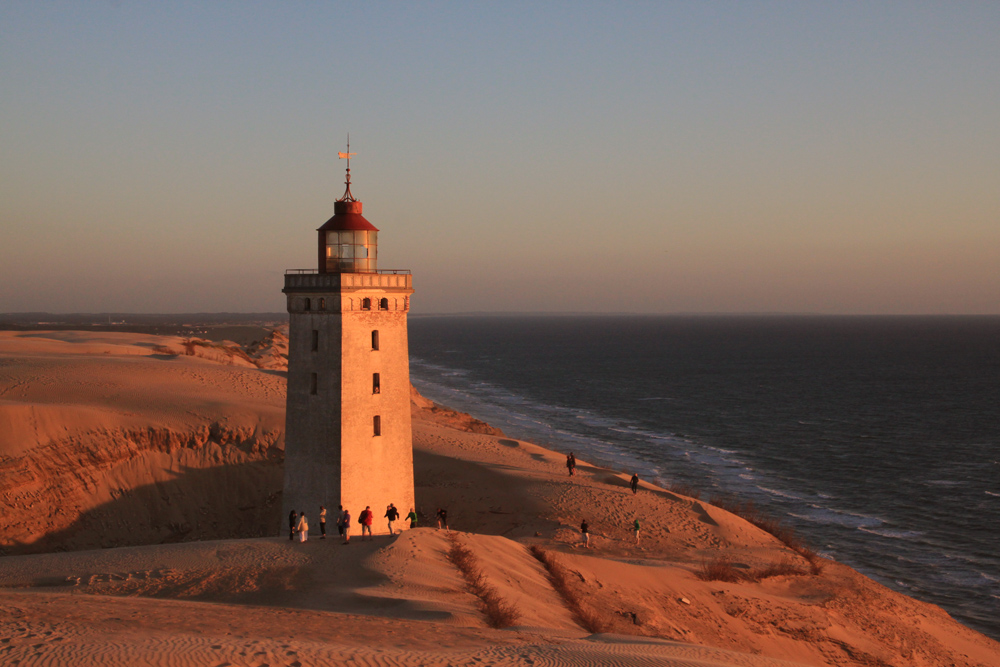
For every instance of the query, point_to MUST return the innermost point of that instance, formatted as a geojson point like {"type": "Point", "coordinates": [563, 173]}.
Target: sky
{"type": "Point", "coordinates": [641, 157]}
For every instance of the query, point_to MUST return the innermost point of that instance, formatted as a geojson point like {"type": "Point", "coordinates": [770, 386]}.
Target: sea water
{"type": "Point", "coordinates": [876, 438]}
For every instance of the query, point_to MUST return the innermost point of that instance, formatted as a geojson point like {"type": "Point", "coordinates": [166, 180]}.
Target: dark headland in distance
{"type": "Point", "coordinates": [241, 328]}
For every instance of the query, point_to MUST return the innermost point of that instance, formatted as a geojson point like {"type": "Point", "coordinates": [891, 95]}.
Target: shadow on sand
{"type": "Point", "coordinates": [222, 502]}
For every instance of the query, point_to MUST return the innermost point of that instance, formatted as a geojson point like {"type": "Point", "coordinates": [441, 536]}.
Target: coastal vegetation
{"type": "Point", "coordinates": [499, 613]}
{"type": "Point", "coordinates": [725, 569]}
{"type": "Point", "coordinates": [587, 616]}
{"type": "Point", "coordinates": [748, 510]}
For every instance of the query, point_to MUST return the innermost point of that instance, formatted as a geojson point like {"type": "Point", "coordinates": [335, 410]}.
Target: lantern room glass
{"type": "Point", "coordinates": [352, 251]}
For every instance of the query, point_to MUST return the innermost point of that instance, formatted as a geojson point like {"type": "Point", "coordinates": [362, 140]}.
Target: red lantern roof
{"type": "Point", "coordinates": [347, 216]}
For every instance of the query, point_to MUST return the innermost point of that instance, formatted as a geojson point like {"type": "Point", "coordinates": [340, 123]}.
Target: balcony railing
{"type": "Point", "coordinates": [394, 272]}
{"type": "Point", "coordinates": [311, 280]}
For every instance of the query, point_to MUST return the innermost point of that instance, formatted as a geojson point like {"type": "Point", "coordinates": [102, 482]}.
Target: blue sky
{"type": "Point", "coordinates": [549, 157]}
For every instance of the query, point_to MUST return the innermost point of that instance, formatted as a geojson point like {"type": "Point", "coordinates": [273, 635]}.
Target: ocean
{"type": "Point", "coordinates": [876, 438]}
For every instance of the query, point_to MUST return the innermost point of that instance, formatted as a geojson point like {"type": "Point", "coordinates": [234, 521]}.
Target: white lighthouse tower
{"type": "Point", "coordinates": [348, 439]}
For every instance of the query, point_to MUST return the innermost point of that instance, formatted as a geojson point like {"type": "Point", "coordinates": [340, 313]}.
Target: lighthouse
{"type": "Point", "coordinates": [348, 438]}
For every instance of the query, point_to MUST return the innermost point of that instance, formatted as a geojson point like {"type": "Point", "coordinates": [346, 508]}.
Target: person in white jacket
{"type": "Point", "coordinates": [303, 528]}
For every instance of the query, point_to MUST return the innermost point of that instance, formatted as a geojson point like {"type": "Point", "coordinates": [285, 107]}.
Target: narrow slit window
{"type": "Point", "coordinates": [315, 340]}
{"type": "Point", "coordinates": [308, 305]}
{"type": "Point", "coordinates": [375, 339]}
{"type": "Point", "coordinates": [377, 425]}
{"type": "Point", "coordinates": [313, 383]}
{"type": "Point", "coordinates": [322, 304]}
{"type": "Point", "coordinates": [376, 384]}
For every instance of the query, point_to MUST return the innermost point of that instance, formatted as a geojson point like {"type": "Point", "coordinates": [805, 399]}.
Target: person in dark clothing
{"type": "Point", "coordinates": [585, 532]}
{"type": "Point", "coordinates": [392, 514]}
{"type": "Point", "coordinates": [571, 464]}
{"type": "Point", "coordinates": [634, 483]}
{"type": "Point", "coordinates": [347, 526]}
{"type": "Point", "coordinates": [322, 522]}
{"type": "Point", "coordinates": [442, 515]}
{"type": "Point", "coordinates": [293, 521]}
{"type": "Point", "coordinates": [340, 520]}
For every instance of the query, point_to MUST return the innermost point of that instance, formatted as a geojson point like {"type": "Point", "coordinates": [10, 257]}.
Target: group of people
{"type": "Point", "coordinates": [298, 523]}
{"type": "Point", "coordinates": [584, 526]}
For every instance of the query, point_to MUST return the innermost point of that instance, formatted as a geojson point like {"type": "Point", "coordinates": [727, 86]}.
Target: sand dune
{"type": "Point", "coordinates": [125, 439]}
{"type": "Point", "coordinates": [110, 439]}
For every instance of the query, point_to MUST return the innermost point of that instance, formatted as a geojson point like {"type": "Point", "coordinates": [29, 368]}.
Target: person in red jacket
{"type": "Point", "coordinates": [366, 522]}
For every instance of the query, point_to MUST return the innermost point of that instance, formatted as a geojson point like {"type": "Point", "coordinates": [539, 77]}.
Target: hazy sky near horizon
{"type": "Point", "coordinates": [587, 157]}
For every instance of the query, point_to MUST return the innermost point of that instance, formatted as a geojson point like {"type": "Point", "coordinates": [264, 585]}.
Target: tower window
{"type": "Point", "coordinates": [376, 386]}
{"type": "Point", "coordinates": [375, 339]}
{"type": "Point", "coordinates": [313, 383]}
{"type": "Point", "coordinates": [322, 304]}
{"type": "Point", "coordinates": [315, 340]}
{"type": "Point", "coordinates": [308, 305]}
{"type": "Point", "coordinates": [383, 304]}
{"type": "Point", "coordinates": [366, 304]}
{"type": "Point", "coordinates": [376, 425]}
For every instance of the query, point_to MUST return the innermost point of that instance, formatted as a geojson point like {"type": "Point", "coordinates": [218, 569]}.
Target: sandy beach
{"type": "Point", "coordinates": [141, 496]}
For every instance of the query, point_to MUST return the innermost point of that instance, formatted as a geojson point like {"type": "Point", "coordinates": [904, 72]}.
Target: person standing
{"type": "Point", "coordinates": [571, 464]}
{"type": "Point", "coordinates": [322, 522]}
{"type": "Point", "coordinates": [293, 520]}
{"type": "Point", "coordinates": [585, 533]}
{"type": "Point", "coordinates": [392, 514]}
{"type": "Point", "coordinates": [412, 518]}
{"type": "Point", "coordinates": [442, 515]}
{"type": "Point", "coordinates": [365, 519]}
{"type": "Point", "coordinates": [340, 520]}
{"type": "Point", "coordinates": [346, 525]}
{"type": "Point", "coordinates": [634, 483]}
{"type": "Point", "coordinates": [303, 528]}
{"type": "Point", "coordinates": [635, 527]}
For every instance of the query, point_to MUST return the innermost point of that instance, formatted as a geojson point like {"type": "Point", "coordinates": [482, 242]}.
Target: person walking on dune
{"type": "Point", "coordinates": [365, 519]}
{"type": "Point", "coordinates": [635, 527]}
{"type": "Point", "coordinates": [346, 525]}
{"type": "Point", "coordinates": [392, 514]}
{"type": "Point", "coordinates": [571, 464]}
{"type": "Point", "coordinates": [303, 528]}
{"type": "Point", "coordinates": [322, 522]}
{"type": "Point", "coordinates": [412, 518]}
{"type": "Point", "coordinates": [293, 520]}
{"type": "Point", "coordinates": [585, 533]}
{"type": "Point", "coordinates": [634, 484]}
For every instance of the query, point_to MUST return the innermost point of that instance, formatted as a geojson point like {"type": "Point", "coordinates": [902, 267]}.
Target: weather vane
{"type": "Point", "coordinates": [347, 156]}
